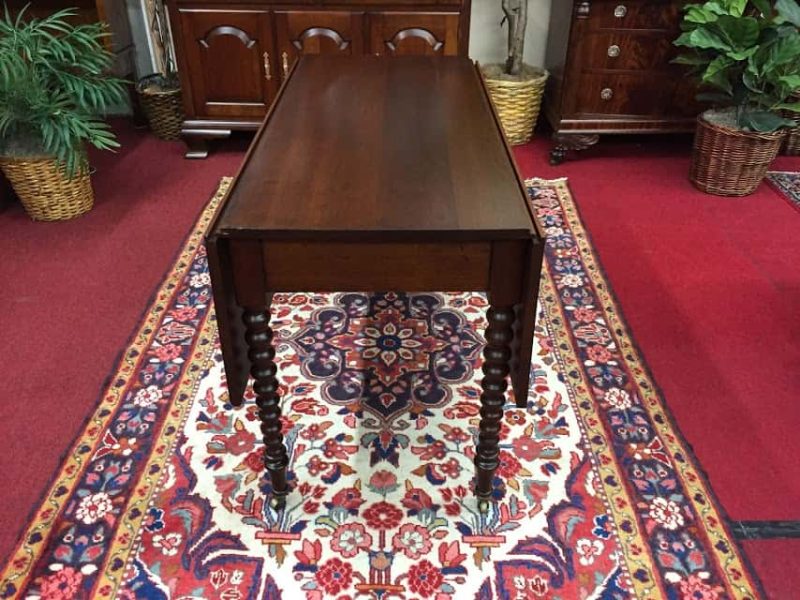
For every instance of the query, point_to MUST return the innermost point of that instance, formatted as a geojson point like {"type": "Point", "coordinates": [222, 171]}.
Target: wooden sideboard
{"type": "Point", "coordinates": [611, 73]}
{"type": "Point", "coordinates": [233, 56]}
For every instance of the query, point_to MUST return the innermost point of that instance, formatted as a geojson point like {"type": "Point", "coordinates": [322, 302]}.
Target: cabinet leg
{"type": "Point", "coordinates": [558, 154]}
{"type": "Point", "coordinates": [196, 146]}
{"type": "Point", "coordinates": [564, 142]}
{"type": "Point", "coordinates": [496, 367]}
{"type": "Point", "coordinates": [263, 369]}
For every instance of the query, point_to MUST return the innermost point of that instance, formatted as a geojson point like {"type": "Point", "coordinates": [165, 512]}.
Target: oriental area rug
{"type": "Point", "coordinates": [597, 495]}
{"type": "Point", "coordinates": [788, 184]}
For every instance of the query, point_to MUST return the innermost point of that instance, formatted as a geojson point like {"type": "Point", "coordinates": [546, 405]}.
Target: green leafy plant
{"type": "Point", "coordinates": [54, 88]}
{"type": "Point", "coordinates": [747, 56]}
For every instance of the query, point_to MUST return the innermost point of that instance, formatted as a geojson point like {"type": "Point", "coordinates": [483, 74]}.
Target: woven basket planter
{"type": "Point", "coordinates": [730, 162]}
{"type": "Point", "coordinates": [163, 108]}
{"type": "Point", "coordinates": [792, 145]}
{"type": "Point", "coordinates": [45, 191]}
{"type": "Point", "coordinates": [517, 102]}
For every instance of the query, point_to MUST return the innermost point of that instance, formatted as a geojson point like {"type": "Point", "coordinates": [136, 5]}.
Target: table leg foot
{"type": "Point", "coordinates": [483, 506]}
{"type": "Point", "coordinates": [497, 356]}
{"type": "Point", "coordinates": [277, 503]}
{"type": "Point", "coordinates": [263, 369]}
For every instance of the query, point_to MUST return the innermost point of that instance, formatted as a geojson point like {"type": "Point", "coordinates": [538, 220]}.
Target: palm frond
{"type": "Point", "coordinates": [55, 86]}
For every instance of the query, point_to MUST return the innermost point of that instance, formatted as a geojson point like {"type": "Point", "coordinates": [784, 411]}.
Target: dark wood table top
{"type": "Point", "coordinates": [367, 148]}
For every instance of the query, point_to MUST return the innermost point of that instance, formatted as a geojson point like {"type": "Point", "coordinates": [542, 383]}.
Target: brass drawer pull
{"type": "Point", "coordinates": [607, 94]}
{"type": "Point", "coordinates": [620, 11]}
{"type": "Point", "coordinates": [613, 51]}
{"type": "Point", "coordinates": [285, 58]}
{"type": "Point", "coordinates": [267, 72]}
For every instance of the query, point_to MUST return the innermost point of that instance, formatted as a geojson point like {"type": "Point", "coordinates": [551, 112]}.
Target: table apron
{"type": "Point", "coordinates": [375, 266]}
{"type": "Point", "coordinates": [247, 272]}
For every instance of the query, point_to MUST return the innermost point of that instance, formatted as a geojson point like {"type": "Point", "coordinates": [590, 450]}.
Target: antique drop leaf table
{"type": "Point", "coordinates": [376, 174]}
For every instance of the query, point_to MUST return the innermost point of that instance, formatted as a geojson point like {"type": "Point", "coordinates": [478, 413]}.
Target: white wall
{"type": "Point", "coordinates": [137, 17]}
{"type": "Point", "coordinates": [487, 40]}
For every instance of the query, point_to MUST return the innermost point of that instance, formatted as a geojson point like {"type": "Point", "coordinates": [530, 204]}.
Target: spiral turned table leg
{"type": "Point", "coordinates": [497, 356]}
{"type": "Point", "coordinates": [263, 369]}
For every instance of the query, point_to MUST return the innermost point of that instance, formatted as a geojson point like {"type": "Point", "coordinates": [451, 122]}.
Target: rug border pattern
{"type": "Point", "coordinates": [129, 528]}
{"type": "Point", "coordinates": [774, 179]}
{"type": "Point", "coordinates": [704, 504]}
{"type": "Point", "coordinates": [27, 552]}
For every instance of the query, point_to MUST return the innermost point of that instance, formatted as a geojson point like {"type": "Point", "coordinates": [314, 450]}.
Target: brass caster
{"type": "Point", "coordinates": [277, 503]}
{"type": "Point", "coordinates": [557, 156]}
{"type": "Point", "coordinates": [483, 506]}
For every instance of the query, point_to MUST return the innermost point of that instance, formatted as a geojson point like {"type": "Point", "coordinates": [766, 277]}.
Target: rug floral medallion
{"type": "Point", "coordinates": [163, 495]}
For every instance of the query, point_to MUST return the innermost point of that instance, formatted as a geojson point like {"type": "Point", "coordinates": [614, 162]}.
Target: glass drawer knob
{"type": "Point", "coordinates": [607, 94]}
{"type": "Point", "coordinates": [620, 11]}
{"type": "Point", "coordinates": [613, 51]}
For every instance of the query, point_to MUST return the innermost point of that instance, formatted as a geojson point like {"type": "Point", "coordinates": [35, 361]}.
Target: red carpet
{"type": "Point", "coordinates": [73, 292]}
{"type": "Point", "coordinates": [709, 286]}
{"type": "Point", "coordinates": [778, 565]}
{"type": "Point", "coordinates": [711, 289]}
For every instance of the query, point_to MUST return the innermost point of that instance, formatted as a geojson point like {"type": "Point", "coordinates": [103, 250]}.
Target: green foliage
{"type": "Point", "coordinates": [746, 54]}
{"type": "Point", "coordinates": [54, 88]}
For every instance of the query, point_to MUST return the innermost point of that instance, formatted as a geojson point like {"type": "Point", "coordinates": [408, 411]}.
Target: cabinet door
{"type": "Point", "coordinates": [307, 32]}
{"type": "Point", "coordinates": [228, 59]}
{"type": "Point", "coordinates": [403, 34]}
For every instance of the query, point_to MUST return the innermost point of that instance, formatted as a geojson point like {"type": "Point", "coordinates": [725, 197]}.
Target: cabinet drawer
{"type": "Point", "coordinates": [417, 34]}
{"type": "Point", "coordinates": [420, 5]}
{"type": "Point", "coordinates": [644, 50]}
{"type": "Point", "coordinates": [634, 14]}
{"type": "Point", "coordinates": [640, 94]}
{"type": "Point", "coordinates": [684, 99]}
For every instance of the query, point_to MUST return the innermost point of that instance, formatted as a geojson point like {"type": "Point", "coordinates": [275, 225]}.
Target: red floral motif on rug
{"type": "Point", "coordinates": [596, 495]}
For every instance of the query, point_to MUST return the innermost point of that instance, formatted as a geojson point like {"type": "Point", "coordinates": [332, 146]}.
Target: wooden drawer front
{"type": "Point", "coordinates": [622, 94]}
{"type": "Point", "coordinates": [342, 265]}
{"type": "Point", "coordinates": [633, 14]}
{"type": "Point", "coordinates": [323, 32]}
{"type": "Point", "coordinates": [646, 50]}
{"type": "Point", "coordinates": [247, 4]}
{"type": "Point", "coordinates": [683, 101]}
{"type": "Point", "coordinates": [226, 58]}
{"type": "Point", "coordinates": [419, 5]}
{"type": "Point", "coordinates": [404, 34]}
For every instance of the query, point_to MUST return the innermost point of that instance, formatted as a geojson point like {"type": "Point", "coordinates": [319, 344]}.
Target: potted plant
{"type": "Point", "coordinates": [747, 56]}
{"type": "Point", "coordinates": [160, 93]}
{"type": "Point", "coordinates": [516, 89]}
{"type": "Point", "coordinates": [53, 89]}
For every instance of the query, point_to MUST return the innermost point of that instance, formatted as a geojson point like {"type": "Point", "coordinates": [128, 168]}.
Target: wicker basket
{"type": "Point", "coordinates": [517, 102]}
{"type": "Point", "coordinates": [163, 108]}
{"type": "Point", "coordinates": [730, 162]}
{"type": "Point", "coordinates": [45, 191]}
{"type": "Point", "coordinates": [792, 145]}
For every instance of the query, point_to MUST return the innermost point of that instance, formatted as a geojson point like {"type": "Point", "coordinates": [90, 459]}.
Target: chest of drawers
{"type": "Point", "coordinates": [611, 73]}
{"type": "Point", "coordinates": [233, 55]}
